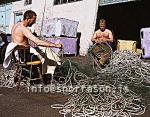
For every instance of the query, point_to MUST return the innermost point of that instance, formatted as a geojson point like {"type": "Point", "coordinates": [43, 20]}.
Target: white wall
{"type": "Point", "coordinates": [18, 6]}
{"type": "Point", "coordinates": [85, 12]}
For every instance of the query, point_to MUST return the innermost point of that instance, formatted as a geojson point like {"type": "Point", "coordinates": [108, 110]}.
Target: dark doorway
{"type": "Point", "coordinates": [126, 19]}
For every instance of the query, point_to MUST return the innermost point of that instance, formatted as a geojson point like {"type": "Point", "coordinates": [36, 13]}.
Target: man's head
{"type": "Point", "coordinates": [102, 24]}
{"type": "Point", "coordinates": [30, 17]}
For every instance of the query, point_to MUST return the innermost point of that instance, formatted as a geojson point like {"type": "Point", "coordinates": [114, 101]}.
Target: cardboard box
{"type": "Point", "coordinates": [126, 45]}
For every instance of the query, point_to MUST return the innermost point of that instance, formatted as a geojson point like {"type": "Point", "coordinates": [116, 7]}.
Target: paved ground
{"type": "Point", "coordinates": [18, 104]}
{"type": "Point", "coordinates": [15, 103]}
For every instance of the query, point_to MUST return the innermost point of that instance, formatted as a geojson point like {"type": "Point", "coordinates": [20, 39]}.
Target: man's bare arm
{"type": "Point", "coordinates": [94, 37]}
{"type": "Point", "coordinates": [39, 42]}
{"type": "Point", "coordinates": [111, 38]}
{"type": "Point", "coordinates": [107, 39]}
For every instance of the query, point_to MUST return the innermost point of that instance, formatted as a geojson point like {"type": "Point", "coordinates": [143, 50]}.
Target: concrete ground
{"type": "Point", "coordinates": [21, 103]}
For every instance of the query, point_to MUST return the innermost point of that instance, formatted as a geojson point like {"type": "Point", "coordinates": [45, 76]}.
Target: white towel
{"type": "Point", "coordinates": [8, 55]}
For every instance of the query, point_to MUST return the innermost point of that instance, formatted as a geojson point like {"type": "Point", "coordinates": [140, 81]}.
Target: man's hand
{"type": "Point", "coordinates": [103, 40]}
{"type": "Point", "coordinates": [100, 40]}
{"type": "Point", "coordinates": [58, 45]}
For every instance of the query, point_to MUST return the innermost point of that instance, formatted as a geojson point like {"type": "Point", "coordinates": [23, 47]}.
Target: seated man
{"type": "Point", "coordinates": [103, 39]}
{"type": "Point", "coordinates": [21, 34]}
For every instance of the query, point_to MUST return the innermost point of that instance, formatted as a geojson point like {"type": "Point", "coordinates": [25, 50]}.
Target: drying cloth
{"type": "Point", "coordinates": [8, 55]}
